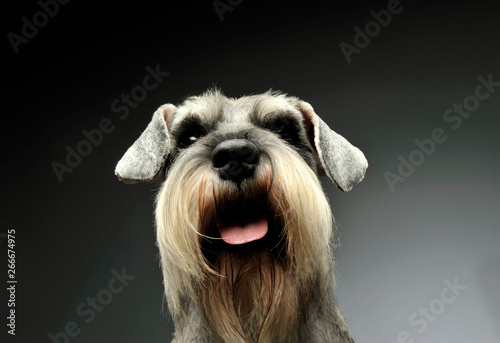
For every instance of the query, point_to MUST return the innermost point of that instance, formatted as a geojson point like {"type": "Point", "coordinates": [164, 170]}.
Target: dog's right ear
{"type": "Point", "coordinates": [145, 160]}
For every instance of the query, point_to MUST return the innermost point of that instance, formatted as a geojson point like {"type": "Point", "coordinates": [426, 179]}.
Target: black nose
{"type": "Point", "coordinates": [235, 159]}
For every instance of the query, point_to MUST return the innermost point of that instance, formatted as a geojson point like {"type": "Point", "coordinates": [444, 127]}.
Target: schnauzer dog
{"type": "Point", "coordinates": [245, 231]}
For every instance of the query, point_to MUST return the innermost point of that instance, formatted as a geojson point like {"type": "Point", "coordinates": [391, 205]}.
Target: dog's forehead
{"type": "Point", "coordinates": [259, 107]}
{"type": "Point", "coordinates": [216, 108]}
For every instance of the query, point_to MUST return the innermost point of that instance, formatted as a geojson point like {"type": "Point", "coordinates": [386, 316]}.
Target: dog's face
{"type": "Point", "coordinates": [241, 211]}
{"type": "Point", "coordinates": [233, 147]}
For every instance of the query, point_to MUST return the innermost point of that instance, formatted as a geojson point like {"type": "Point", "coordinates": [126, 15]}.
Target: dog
{"type": "Point", "coordinates": [245, 232]}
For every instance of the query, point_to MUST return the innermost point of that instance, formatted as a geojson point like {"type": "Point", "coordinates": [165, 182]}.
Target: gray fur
{"type": "Point", "coordinates": [343, 163]}
{"type": "Point", "coordinates": [144, 160]}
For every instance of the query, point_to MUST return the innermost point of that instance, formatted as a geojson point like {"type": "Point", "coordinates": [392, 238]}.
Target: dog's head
{"type": "Point", "coordinates": [240, 189]}
{"type": "Point", "coordinates": [175, 129]}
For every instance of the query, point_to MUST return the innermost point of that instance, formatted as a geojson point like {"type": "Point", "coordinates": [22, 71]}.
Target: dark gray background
{"type": "Point", "coordinates": [399, 248]}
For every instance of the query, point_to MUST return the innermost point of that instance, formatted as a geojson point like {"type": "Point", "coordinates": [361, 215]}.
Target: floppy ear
{"type": "Point", "coordinates": [145, 159]}
{"type": "Point", "coordinates": [342, 162]}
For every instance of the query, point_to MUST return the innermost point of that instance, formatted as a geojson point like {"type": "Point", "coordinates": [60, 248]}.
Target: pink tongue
{"type": "Point", "coordinates": [235, 233]}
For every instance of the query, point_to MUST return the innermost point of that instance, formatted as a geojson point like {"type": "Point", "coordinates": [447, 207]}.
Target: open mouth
{"type": "Point", "coordinates": [243, 225]}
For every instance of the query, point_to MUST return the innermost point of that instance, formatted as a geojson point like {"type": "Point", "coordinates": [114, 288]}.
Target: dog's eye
{"type": "Point", "coordinates": [188, 139]}
{"type": "Point", "coordinates": [286, 128]}
{"type": "Point", "coordinates": [187, 142]}
{"type": "Point", "coordinates": [188, 133]}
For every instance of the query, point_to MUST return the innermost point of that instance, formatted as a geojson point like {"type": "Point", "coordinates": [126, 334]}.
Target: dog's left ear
{"type": "Point", "coordinates": [145, 160]}
{"type": "Point", "coordinates": [342, 162]}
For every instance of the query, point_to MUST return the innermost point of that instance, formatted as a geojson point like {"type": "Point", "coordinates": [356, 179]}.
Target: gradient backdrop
{"type": "Point", "coordinates": [420, 260]}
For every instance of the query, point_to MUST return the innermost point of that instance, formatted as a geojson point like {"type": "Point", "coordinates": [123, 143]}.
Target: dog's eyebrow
{"type": "Point", "coordinates": [263, 118]}
{"type": "Point", "coordinates": [264, 110]}
{"type": "Point", "coordinates": [191, 122]}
